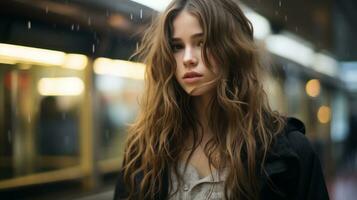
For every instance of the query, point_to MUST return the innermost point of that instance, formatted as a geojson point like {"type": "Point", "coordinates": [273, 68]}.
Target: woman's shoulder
{"type": "Point", "coordinates": [291, 142]}
{"type": "Point", "coordinates": [295, 164]}
{"type": "Point", "coordinates": [294, 132]}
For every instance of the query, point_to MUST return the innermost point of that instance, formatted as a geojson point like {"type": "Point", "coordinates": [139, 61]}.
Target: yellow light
{"type": "Point", "coordinates": [31, 55]}
{"type": "Point", "coordinates": [60, 86]}
{"type": "Point", "coordinates": [24, 66]}
{"type": "Point", "coordinates": [324, 114]}
{"type": "Point", "coordinates": [118, 21]}
{"type": "Point", "coordinates": [75, 61]}
{"type": "Point", "coordinates": [9, 62]}
{"type": "Point", "coordinates": [12, 54]}
{"type": "Point", "coordinates": [120, 68]}
{"type": "Point", "coordinates": [313, 88]}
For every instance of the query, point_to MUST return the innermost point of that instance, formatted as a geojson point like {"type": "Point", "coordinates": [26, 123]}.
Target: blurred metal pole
{"type": "Point", "coordinates": [87, 136]}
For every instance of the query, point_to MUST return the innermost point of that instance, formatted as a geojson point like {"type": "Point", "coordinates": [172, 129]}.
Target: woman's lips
{"type": "Point", "coordinates": [191, 77]}
{"type": "Point", "coordinates": [192, 80]}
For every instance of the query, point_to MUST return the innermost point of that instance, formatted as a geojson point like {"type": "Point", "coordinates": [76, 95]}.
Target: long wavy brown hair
{"type": "Point", "coordinates": [240, 118]}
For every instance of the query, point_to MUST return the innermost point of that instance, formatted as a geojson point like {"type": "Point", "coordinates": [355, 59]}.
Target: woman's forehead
{"type": "Point", "coordinates": [185, 24]}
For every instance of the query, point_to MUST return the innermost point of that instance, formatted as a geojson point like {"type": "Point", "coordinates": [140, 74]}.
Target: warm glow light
{"type": "Point", "coordinates": [75, 61]}
{"type": "Point", "coordinates": [12, 54]}
{"type": "Point", "coordinates": [118, 21]}
{"type": "Point", "coordinates": [120, 68]}
{"type": "Point", "coordinates": [30, 54]}
{"type": "Point", "coordinates": [324, 114]}
{"type": "Point", "coordinates": [313, 88]}
{"type": "Point", "coordinates": [9, 62]}
{"type": "Point", "coordinates": [24, 66]}
{"type": "Point", "coordinates": [60, 86]}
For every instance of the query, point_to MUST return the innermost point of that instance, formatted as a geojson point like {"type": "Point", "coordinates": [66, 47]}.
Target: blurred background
{"type": "Point", "coordinates": [68, 91]}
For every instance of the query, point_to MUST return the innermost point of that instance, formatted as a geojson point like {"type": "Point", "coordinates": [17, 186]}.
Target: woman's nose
{"type": "Point", "coordinates": [190, 59]}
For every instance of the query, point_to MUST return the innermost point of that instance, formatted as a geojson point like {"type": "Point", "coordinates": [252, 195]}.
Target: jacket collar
{"type": "Point", "coordinates": [281, 147]}
{"type": "Point", "coordinates": [293, 124]}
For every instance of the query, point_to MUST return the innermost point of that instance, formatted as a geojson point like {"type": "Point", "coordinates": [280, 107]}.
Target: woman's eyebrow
{"type": "Point", "coordinates": [197, 35]}
{"type": "Point", "coordinates": [175, 39]}
{"type": "Point", "coordinates": [194, 36]}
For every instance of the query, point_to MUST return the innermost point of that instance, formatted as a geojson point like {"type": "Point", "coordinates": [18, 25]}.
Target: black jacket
{"type": "Point", "coordinates": [292, 166]}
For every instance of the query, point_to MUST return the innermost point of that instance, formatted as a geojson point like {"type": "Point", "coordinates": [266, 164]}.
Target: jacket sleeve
{"type": "Point", "coordinates": [311, 183]}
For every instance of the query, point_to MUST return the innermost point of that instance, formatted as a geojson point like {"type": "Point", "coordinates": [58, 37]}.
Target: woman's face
{"type": "Point", "coordinates": [187, 43]}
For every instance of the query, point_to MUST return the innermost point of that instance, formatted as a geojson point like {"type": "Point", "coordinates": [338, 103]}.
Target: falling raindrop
{"type": "Point", "coordinates": [72, 27]}
{"type": "Point", "coordinates": [137, 46]}
{"type": "Point", "coordinates": [141, 13]}
{"type": "Point", "coordinates": [9, 136]}
{"type": "Point", "coordinates": [77, 27]}
{"type": "Point", "coordinates": [296, 29]}
{"type": "Point", "coordinates": [276, 12]}
{"type": "Point", "coordinates": [46, 9]}
{"type": "Point", "coordinates": [89, 21]}
{"type": "Point", "coordinates": [279, 3]}
{"type": "Point", "coordinates": [286, 18]}
{"type": "Point", "coordinates": [131, 16]}
{"type": "Point", "coordinates": [63, 116]}
{"type": "Point", "coordinates": [107, 13]}
{"type": "Point", "coordinates": [93, 48]}
{"type": "Point", "coordinates": [29, 118]}
{"type": "Point", "coordinates": [29, 25]}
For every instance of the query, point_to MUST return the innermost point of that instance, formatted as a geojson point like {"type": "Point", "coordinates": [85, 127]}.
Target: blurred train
{"type": "Point", "coordinates": [68, 92]}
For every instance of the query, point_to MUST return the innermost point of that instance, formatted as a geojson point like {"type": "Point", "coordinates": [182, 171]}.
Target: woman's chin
{"type": "Point", "coordinates": [199, 91]}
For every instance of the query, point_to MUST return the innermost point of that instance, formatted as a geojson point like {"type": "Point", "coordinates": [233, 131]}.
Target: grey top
{"type": "Point", "coordinates": [194, 187]}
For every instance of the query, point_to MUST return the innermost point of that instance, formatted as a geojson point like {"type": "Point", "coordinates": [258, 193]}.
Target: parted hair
{"type": "Point", "coordinates": [239, 115]}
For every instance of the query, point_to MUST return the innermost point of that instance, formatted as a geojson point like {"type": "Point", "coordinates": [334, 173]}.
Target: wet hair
{"type": "Point", "coordinates": [240, 118]}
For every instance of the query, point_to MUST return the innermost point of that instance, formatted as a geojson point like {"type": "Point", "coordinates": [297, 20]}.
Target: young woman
{"type": "Point", "coordinates": [205, 130]}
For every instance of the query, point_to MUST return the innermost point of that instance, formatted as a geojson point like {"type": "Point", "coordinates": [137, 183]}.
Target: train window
{"type": "Point", "coordinates": [40, 114]}
{"type": "Point", "coordinates": [118, 85]}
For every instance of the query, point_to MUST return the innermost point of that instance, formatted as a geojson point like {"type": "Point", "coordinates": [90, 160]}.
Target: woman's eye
{"type": "Point", "coordinates": [176, 47]}
{"type": "Point", "coordinates": [200, 43]}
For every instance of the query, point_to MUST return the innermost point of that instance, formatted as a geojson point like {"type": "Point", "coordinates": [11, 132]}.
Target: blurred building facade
{"type": "Point", "coordinates": [68, 89]}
